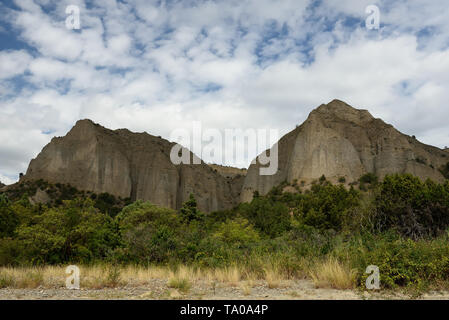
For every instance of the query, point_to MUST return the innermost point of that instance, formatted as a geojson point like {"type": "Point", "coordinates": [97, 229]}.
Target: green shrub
{"type": "Point", "coordinates": [237, 233]}
{"type": "Point", "coordinates": [57, 235]}
{"type": "Point", "coordinates": [368, 178]}
{"type": "Point", "coordinates": [414, 208]}
{"type": "Point", "coordinates": [267, 215]}
{"type": "Point", "coordinates": [8, 219]}
{"type": "Point", "coordinates": [399, 224]}
{"type": "Point", "coordinates": [181, 284]}
{"type": "Point", "coordinates": [326, 206]}
{"type": "Point", "coordinates": [402, 262]}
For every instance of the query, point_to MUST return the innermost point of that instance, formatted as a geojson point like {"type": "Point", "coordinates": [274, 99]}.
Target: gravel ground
{"type": "Point", "coordinates": [158, 289]}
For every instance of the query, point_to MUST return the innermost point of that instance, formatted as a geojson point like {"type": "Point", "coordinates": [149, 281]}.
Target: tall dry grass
{"type": "Point", "coordinates": [182, 277]}
{"type": "Point", "coordinates": [29, 278]}
{"type": "Point", "coordinates": [331, 273]}
{"type": "Point", "coordinates": [104, 276]}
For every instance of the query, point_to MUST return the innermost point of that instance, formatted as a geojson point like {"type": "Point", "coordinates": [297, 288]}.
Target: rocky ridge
{"type": "Point", "coordinates": [336, 140]}
{"type": "Point", "coordinates": [126, 164]}
{"type": "Point", "coordinates": [339, 141]}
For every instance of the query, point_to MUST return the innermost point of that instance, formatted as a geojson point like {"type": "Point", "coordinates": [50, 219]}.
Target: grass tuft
{"type": "Point", "coordinates": [181, 284]}
{"type": "Point", "coordinates": [6, 280]}
{"type": "Point", "coordinates": [331, 273]}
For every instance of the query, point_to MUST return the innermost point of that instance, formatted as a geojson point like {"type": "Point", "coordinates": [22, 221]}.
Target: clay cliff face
{"type": "Point", "coordinates": [136, 165]}
{"type": "Point", "coordinates": [336, 140]}
{"type": "Point", "coordinates": [339, 141]}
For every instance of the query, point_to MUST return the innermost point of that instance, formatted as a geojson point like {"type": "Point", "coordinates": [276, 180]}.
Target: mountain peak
{"type": "Point", "coordinates": [337, 109]}
{"type": "Point", "coordinates": [130, 165]}
{"type": "Point", "coordinates": [344, 143]}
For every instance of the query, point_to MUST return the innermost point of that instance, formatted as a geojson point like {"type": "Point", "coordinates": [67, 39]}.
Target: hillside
{"type": "Point", "coordinates": [342, 142]}
{"type": "Point", "coordinates": [128, 165]}
{"type": "Point", "coordinates": [336, 140]}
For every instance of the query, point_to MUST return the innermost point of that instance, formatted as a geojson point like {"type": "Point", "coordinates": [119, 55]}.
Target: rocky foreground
{"type": "Point", "coordinates": [259, 290]}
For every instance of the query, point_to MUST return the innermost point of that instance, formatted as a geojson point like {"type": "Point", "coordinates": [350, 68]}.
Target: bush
{"type": "Point", "coordinates": [268, 216]}
{"type": "Point", "coordinates": [11, 252]}
{"type": "Point", "coordinates": [59, 235]}
{"type": "Point", "coordinates": [148, 232]}
{"type": "Point", "coordinates": [326, 206]}
{"type": "Point", "coordinates": [402, 262]}
{"type": "Point", "coordinates": [414, 208]}
{"type": "Point", "coordinates": [182, 284]}
{"type": "Point", "coordinates": [368, 178]}
{"type": "Point", "coordinates": [8, 219]}
{"type": "Point", "coordinates": [236, 233]}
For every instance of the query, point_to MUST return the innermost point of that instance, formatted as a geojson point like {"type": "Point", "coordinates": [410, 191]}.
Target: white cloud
{"type": "Point", "coordinates": [13, 63]}
{"type": "Point", "coordinates": [6, 180]}
{"type": "Point", "coordinates": [243, 64]}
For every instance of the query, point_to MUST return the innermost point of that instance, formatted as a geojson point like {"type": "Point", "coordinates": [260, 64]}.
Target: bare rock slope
{"type": "Point", "coordinates": [339, 141]}
{"type": "Point", "coordinates": [227, 171]}
{"type": "Point", "coordinates": [136, 165]}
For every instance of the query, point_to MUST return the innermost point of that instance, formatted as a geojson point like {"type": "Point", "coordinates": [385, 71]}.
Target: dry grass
{"type": "Point", "coordinates": [247, 286]}
{"type": "Point", "coordinates": [273, 277]}
{"type": "Point", "coordinates": [28, 278]}
{"type": "Point", "coordinates": [230, 275]}
{"type": "Point", "coordinates": [180, 279]}
{"type": "Point", "coordinates": [102, 276]}
{"type": "Point", "coordinates": [331, 273]}
{"type": "Point", "coordinates": [182, 284]}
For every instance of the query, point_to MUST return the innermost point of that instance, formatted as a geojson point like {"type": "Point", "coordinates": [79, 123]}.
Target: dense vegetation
{"type": "Point", "coordinates": [399, 224]}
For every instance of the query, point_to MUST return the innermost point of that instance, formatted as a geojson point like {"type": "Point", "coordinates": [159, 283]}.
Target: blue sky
{"type": "Point", "coordinates": [156, 66]}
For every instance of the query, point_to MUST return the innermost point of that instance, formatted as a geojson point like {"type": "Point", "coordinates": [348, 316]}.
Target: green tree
{"type": "Point", "coordinates": [326, 206]}
{"type": "Point", "coordinates": [189, 211]}
{"type": "Point", "coordinates": [414, 208]}
{"type": "Point", "coordinates": [269, 216]}
{"type": "Point", "coordinates": [74, 232]}
{"type": "Point", "coordinates": [149, 232]}
{"type": "Point", "coordinates": [8, 219]}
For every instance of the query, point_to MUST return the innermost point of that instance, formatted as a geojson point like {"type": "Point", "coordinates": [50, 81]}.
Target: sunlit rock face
{"type": "Point", "coordinates": [338, 141]}
{"type": "Point", "coordinates": [126, 164]}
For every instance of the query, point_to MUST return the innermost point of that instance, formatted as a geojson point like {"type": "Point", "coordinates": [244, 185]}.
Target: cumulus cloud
{"type": "Point", "coordinates": [159, 65]}
{"type": "Point", "coordinates": [13, 63]}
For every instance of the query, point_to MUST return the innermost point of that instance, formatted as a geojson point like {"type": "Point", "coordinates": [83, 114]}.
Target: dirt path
{"type": "Point", "coordinates": [158, 289]}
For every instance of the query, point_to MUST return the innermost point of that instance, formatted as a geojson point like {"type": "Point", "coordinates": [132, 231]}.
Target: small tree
{"type": "Point", "coordinates": [322, 179]}
{"type": "Point", "coordinates": [189, 211]}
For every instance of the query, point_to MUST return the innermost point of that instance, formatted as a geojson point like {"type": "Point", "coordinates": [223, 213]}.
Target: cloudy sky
{"type": "Point", "coordinates": [156, 66]}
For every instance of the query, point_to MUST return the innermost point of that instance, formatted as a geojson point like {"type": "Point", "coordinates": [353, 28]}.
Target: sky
{"type": "Point", "coordinates": [156, 66]}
